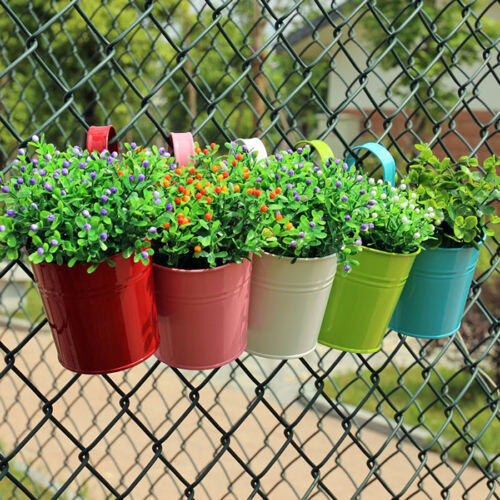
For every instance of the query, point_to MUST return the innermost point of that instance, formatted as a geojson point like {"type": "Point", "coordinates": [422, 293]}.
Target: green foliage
{"type": "Point", "coordinates": [72, 206]}
{"type": "Point", "coordinates": [210, 219]}
{"type": "Point", "coordinates": [460, 194]}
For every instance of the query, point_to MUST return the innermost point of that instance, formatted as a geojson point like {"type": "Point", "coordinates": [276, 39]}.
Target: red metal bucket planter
{"type": "Point", "coordinates": [203, 314]}
{"type": "Point", "coordinates": [101, 322]}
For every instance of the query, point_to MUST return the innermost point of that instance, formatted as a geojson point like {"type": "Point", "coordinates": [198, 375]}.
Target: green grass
{"type": "Point", "coordinates": [472, 416]}
{"type": "Point", "coordinates": [32, 305]}
{"type": "Point", "coordinates": [9, 490]}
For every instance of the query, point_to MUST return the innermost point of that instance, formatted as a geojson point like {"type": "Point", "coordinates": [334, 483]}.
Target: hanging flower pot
{"type": "Point", "coordinates": [434, 296]}
{"type": "Point", "coordinates": [433, 300]}
{"type": "Point", "coordinates": [287, 304]}
{"type": "Point", "coordinates": [311, 223]}
{"type": "Point", "coordinates": [85, 238]}
{"type": "Point", "coordinates": [203, 314]}
{"type": "Point", "coordinates": [361, 303]}
{"type": "Point", "coordinates": [101, 322]}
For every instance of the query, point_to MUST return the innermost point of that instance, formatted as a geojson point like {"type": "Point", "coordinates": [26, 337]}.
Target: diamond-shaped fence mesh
{"type": "Point", "coordinates": [419, 419]}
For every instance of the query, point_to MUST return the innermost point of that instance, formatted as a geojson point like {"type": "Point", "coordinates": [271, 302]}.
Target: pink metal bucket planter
{"type": "Point", "coordinates": [202, 314]}
{"type": "Point", "coordinates": [287, 303]}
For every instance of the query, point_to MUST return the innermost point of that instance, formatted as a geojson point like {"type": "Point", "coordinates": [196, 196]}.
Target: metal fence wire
{"type": "Point", "coordinates": [419, 419]}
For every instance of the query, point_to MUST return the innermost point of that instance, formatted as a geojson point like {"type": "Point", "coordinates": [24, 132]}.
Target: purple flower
{"type": "Point", "coordinates": [48, 157]}
{"type": "Point", "coordinates": [244, 148]}
{"type": "Point", "coordinates": [337, 161]}
{"type": "Point", "coordinates": [344, 198]}
{"type": "Point", "coordinates": [103, 236]}
{"type": "Point", "coordinates": [63, 193]}
{"type": "Point", "coordinates": [161, 150]}
{"type": "Point", "coordinates": [144, 255]}
{"type": "Point", "coordinates": [358, 243]}
{"type": "Point", "coordinates": [173, 166]}
{"type": "Point", "coordinates": [153, 230]}
{"type": "Point", "coordinates": [20, 180]}
{"type": "Point", "coordinates": [114, 189]}
{"type": "Point", "coordinates": [364, 227]}
{"type": "Point", "coordinates": [316, 189]}
{"type": "Point", "coordinates": [104, 211]}
{"type": "Point", "coordinates": [23, 168]}
{"type": "Point", "coordinates": [145, 163]}
{"type": "Point", "coordinates": [35, 138]}
{"type": "Point", "coordinates": [347, 267]}
{"type": "Point", "coordinates": [2, 228]}
{"type": "Point", "coordinates": [15, 161]}
{"type": "Point", "coordinates": [47, 186]}
{"type": "Point", "coordinates": [293, 243]}
{"type": "Point", "coordinates": [51, 217]}
{"type": "Point", "coordinates": [338, 184]}
{"type": "Point", "coordinates": [299, 150]}
{"type": "Point", "coordinates": [371, 202]}
{"type": "Point", "coordinates": [301, 234]}
{"type": "Point", "coordinates": [300, 165]}
{"type": "Point", "coordinates": [233, 144]}
{"type": "Point", "coordinates": [362, 191]}
{"type": "Point", "coordinates": [371, 225]}
{"type": "Point", "coordinates": [359, 178]}
{"type": "Point", "coordinates": [108, 192]}
{"type": "Point", "coordinates": [34, 227]}
{"type": "Point", "coordinates": [39, 251]}
{"type": "Point", "coordinates": [279, 157]}
{"type": "Point", "coordinates": [157, 201]}
{"type": "Point", "coordinates": [54, 242]}
{"type": "Point", "coordinates": [290, 172]}
{"type": "Point", "coordinates": [312, 223]}
{"type": "Point", "coordinates": [86, 226]}
{"type": "Point", "coordinates": [347, 217]}
{"type": "Point", "coordinates": [283, 168]}
{"type": "Point", "coordinates": [141, 177]}
{"type": "Point", "coordinates": [308, 182]}
{"type": "Point", "coordinates": [114, 154]}
{"type": "Point", "coordinates": [289, 151]}
{"type": "Point", "coordinates": [93, 175]}
{"type": "Point", "coordinates": [11, 212]}
{"type": "Point", "coordinates": [276, 176]}
{"type": "Point", "coordinates": [23, 208]}
{"type": "Point", "coordinates": [42, 171]}
{"type": "Point", "coordinates": [65, 171]}
{"type": "Point", "coordinates": [65, 163]}
{"type": "Point", "coordinates": [316, 168]}
{"type": "Point", "coordinates": [259, 179]}
{"type": "Point", "coordinates": [297, 197]}
{"type": "Point", "coordinates": [290, 186]}
{"type": "Point", "coordinates": [81, 164]}
{"type": "Point", "coordinates": [131, 177]}
{"type": "Point", "coordinates": [85, 213]}
{"type": "Point", "coordinates": [76, 151]}
{"type": "Point", "coordinates": [133, 145]}
{"type": "Point", "coordinates": [34, 206]}
{"type": "Point", "coordinates": [34, 161]}
{"type": "Point", "coordinates": [109, 160]}
{"type": "Point", "coordinates": [56, 174]}
{"type": "Point", "coordinates": [104, 198]}
{"type": "Point", "coordinates": [156, 194]}
{"type": "Point", "coordinates": [169, 207]}
{"type": "Point", "coordinates": [5, 189]}
{"type": "Point", "coordinates": [345, 166]}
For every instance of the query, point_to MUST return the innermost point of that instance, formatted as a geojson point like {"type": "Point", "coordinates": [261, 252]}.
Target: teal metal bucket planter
{"type": "Point", "coordinates": [433, 299]}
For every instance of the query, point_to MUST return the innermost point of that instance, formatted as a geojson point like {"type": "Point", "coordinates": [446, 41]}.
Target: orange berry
{"type": "Point", "coordinates": [197, 249]}
{"type": "Point", "coordinates": [177, 200]}
{"type": "Point", "coordinates": [279, 217]}
{"type": "Point", "coordinates": [220, 177]}
{"type": "Point", "coordinates": [199, 176]}
{"type": "Point", "coordinates": [289, 225]}
{"type": "Point", "coordinates": [236, 188]}
{"type": "Point", "coordinates": [245, 169]}
{"type": "Point", "coordinates": [239, 156]}
{"type": "Point", "coordinates": [185, 198]}
{"type": "Point", "coordinates": [225, 174]}
{"type": "Point", "coordinates": [198, 185]}
{"type": "Point", "coordinates": [166, 225]}
{"type": "Point", "coordinates": [234, 163]}
{"type": "Point", "coordinates": [215, 168]}
{"type": "Point", "coordinates": [197, 149]}
{"type": "Point", "coordinates": [257, 192]}
{"type": "Point", "coordinates": [272, 195]}
{"type": "Point", "coordinates": [207, 184]}
{"type": "Point", "coordinates": [264, 208]}
{"type": "Point", "coordinates": [224, 188]}
{"type": "Point", "coordinates": [278, 190]}
{"type": "Point", "coordinates": [203, 191]}
{"type": "Point", "coordinates": [250, 191]}
{"type": "Point", "coordinates": [267, 233]}
{"type": "Point", "coordinates": [208, 199]}
{"type": "Point", "coordinates": [168, 177]}
{"type": "Point", "coordinates": [208, 216]}
{"type": "Point", "coordinates": [120, 173]}
{"type": "Point", "coordinates": [180, 188]}
{"type": "Point", "coordinates": [189, 180]}
{"type": "Point", "coordinates": [177, 171]}
{"type": "Point", "coordinates": [212, 146]}
{"type": "Point", "coordinates": [246, 175]}
{"type": "Point", "coordinates": [166, 183]}
{"type": "Point", "coordinates": [198, 196]}
{"type": "Point", "coordinates": [192, 170]}
{"type": "Point", "coordinates": [206, 151]}
{"type": "Point", "coordinates": [217, 189]}
{"type": "Point", "coordinates": [187, 191]}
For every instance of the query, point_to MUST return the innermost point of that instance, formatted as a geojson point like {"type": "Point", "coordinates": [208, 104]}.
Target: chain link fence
{"type": "Point", "coordinates": [416, 420]}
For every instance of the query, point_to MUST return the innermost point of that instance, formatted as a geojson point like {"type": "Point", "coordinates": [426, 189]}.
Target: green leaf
{"type": "Point", "coordinates": [11, 241]}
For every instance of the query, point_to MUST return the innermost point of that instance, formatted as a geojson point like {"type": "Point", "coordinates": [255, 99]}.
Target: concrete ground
{"type": "Point", "coordinates": [90, 404]}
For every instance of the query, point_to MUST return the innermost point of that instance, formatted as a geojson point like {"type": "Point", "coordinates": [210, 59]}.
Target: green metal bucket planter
{"type": "Point", "coordinates": [361, 303]}
{"type": "Point", "coordinates": [434, 297]}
